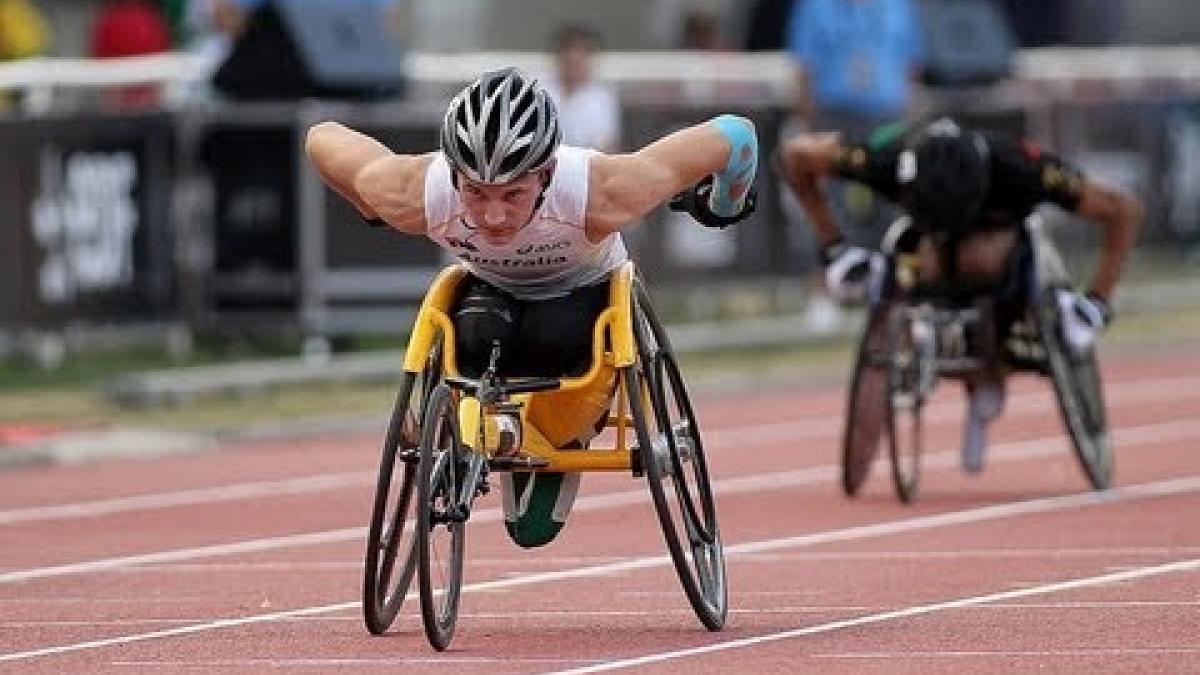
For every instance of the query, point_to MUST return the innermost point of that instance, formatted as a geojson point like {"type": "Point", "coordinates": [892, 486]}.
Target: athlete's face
{"type": "Point", "coordinates": [500, 211]}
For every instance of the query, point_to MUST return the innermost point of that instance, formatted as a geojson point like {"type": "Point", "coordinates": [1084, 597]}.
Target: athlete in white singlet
{"type": "Point", "coordinates": [536, 223]}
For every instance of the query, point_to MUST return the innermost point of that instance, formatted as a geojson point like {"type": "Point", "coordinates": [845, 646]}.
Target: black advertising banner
{"type": "Point", "coordinates": [87, 237]}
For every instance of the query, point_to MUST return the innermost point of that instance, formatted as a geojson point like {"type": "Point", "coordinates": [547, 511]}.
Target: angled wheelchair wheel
{"type": "Point", "coordinates": [672, 455]}
{"type": "Point", "coordinates": [867, 404]}
{"type": "Point", "coordinates": [1080, 394]}
{"type": "Point", "coordinates": [907, 379]}
{"type": "Point", "coordinates": [390, 556]}
{"type": "Point", "coordinates": [441, 521]}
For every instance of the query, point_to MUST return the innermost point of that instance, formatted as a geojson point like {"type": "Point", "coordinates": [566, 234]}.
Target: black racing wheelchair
{"type": "Point", "coordinates": [916, 334]}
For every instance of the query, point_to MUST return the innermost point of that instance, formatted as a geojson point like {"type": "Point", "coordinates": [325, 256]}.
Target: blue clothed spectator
{"type": "Point", "coordinates": [856, 62]}
{"type": "Point", "coordinates": [858, 57]}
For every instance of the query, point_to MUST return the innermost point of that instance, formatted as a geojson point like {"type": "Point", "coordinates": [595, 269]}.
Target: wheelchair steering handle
{"type": "Point", "coordinates": [529, 385]}
{"type": "Point", "coordinates": [505, 388]}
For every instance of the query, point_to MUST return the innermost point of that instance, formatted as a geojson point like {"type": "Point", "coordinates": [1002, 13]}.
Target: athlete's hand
{"type": "Point", "coordinates": [851, 271]}
{"type": "Point", "coordinates": [1084, 318]}
{"type": "Point", "coordinates": [694, 201]}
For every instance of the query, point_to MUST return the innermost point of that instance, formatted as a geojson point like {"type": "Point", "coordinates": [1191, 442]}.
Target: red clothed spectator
{"type": "Point", "coordinates": [129, 28]}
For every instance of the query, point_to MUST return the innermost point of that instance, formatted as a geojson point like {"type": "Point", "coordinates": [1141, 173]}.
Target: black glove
{"type": "Point", "coordinates": [695, 203]}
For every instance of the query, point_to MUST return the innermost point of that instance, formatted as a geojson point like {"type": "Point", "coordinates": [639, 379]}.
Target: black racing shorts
{"type": "Point", "coordinates": [538, 338]}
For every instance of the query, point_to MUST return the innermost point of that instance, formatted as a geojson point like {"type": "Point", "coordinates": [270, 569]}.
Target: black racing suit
{"type": "Point", "coordinates": [1022, 177]}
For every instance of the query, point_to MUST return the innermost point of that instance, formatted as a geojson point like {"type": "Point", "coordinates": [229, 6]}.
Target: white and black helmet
{"type": "Point", "coordinates": [499, 127]}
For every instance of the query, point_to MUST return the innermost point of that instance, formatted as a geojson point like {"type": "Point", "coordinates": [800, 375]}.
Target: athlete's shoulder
{"type": "Point", "coordinates": [567, 195]}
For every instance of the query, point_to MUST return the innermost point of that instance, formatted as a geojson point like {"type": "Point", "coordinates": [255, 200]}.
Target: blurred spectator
{"type": "Point", "coordinates": [587, 109]}
{"type": "Point", "coordinates": [856, 65]}
{"type": "Point", "coordinates": [129, 28]}
{"type": "Point", "coordinates": [701, 31]}
{"type": "Point", "coordinates": [389, 10]}
{"type": "Point", "coordinates": [23, 31]}
{"type": "Point", "coordinates": [856, 60]}
{"type": "Point", "coordinates": [175, 14]}
{"type": "Point", "coordinates": [766, 25]}
{"type": "Point", "coordinates": [212, 27]}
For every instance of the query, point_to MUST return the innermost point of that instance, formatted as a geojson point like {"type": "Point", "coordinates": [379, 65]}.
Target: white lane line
{"type": "Point", "coordinates": [1166, 651]}
{"type": "Point", "coordinates": [1020, 450]}
{"type": "Point", "coordinates": [916, 610]}
{"type": "Point", "coordinates": [93, 623]}
{"type": "Point", "coordinates": [208, 495]}
{"type": "Point", "coordinates": [982, 553]}
{"type": "Point", "coordinates": [1165, 488]}
{"type": "Point", "coordinates": [346, 662]}
{"type": "Point", "coordinates": [1036, 403]}
{"type": "Point", "coordinates": [1108, 604]}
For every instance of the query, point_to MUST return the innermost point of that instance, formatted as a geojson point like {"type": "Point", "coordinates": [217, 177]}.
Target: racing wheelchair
{"type": "Point", "coordinates": [449, 433]}
{"type": "Point", "coordinates": [917, 333]}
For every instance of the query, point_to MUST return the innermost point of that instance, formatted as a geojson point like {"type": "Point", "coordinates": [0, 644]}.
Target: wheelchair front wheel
{"type": "Point", "coordinates": [441, 518]}
{"type": "Point", "coordinates": [672, 454]}
{"type": "Point", "coordinates": [1080, 394]}
{"type": "Point", "coordinates": [386, 575]}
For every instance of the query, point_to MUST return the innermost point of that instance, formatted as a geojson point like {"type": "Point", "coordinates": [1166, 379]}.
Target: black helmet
{"type": "Point", "coordinates": [947, 171]}
{"type": "Point", "coordinates": [499, 127]}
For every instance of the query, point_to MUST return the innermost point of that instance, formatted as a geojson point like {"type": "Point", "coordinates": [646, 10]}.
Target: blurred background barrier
{"type": "Point", "coordinates": [141, 200]}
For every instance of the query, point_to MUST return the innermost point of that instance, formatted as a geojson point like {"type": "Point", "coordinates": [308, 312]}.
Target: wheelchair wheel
{"type": "Point", "coordinates": [866, 406]}
{"type": "Point", "coordinates": [441, 522]}
{"type": "Point", "coordinates": [390, 534]}
{"type": "Point", "coordinates": [906, 385]}
{"type": "Point", "coordinates": [673, 457]}
{"type": "Point", "coordinates": [1080, 394]}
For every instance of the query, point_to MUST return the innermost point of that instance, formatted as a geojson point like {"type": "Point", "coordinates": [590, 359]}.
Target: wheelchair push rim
{"type": "Point", "coordinates": [390, 559]}
{"type": "Point", "coordinates": [866, 404]}
{"type": "Point", "coordinates": [1079, 392]}
{"type": "Point", "coordinates": [672, 454]}
{"type": "Point", "coordinates": [906, 400]}
{"type": "Point", "coordinates": [441, 522]}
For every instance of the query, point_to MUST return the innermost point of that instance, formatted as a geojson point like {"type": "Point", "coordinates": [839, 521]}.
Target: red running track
{"type": "Point", "coordinates": [248, 559]}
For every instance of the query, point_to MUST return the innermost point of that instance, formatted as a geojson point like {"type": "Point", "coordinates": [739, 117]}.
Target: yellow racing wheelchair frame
{"type": "Point", "coordinates": [445, 433]}
{"type": "Point", "coordinates": [549, 418]}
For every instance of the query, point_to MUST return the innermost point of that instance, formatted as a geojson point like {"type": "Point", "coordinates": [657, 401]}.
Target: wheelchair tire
{"type": "Point", "coordinates": [440, 568]}
{"type": "Point", "coordinates": [905, 402]}
{"type": "Point", "coordinates": [672, 455]}
{"type": "Point", "coordinates": [1080, 395]}
{"type": "Point", "coordinates": [866, 405]}
{"type": "Point", "coordinates": [390, 533]}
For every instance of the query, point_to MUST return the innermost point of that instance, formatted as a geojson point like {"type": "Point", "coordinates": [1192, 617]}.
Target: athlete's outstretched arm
{"type": "Point", "coordinates": [806, 160]}
{"type": "Point", "coordinates": [378, 182]}
{"type": "Point", "coordinates": [623, 188]}
{"type": "Point", "coordinates": [1120, 214]}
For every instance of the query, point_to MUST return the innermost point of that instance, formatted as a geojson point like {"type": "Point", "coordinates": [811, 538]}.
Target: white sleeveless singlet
{"type": "Point", "coordinates": [550, 256]}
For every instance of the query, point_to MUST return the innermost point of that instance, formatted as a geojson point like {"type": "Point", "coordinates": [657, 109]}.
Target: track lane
{"type": "Point", "coordinates": [594, 538]}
